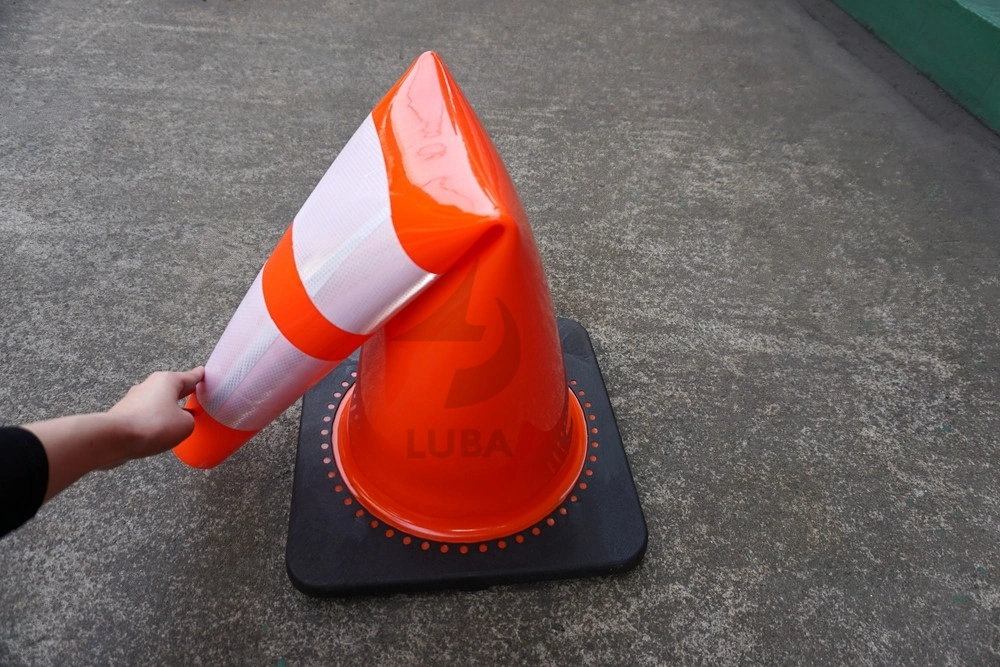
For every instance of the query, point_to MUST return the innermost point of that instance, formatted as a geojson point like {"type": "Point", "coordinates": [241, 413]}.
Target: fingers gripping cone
{"type": "Point", "coordinates": [460, 425]}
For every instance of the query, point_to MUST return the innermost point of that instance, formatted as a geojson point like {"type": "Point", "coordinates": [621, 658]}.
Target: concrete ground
{"type": "Point", "coordinates": [783, 241]}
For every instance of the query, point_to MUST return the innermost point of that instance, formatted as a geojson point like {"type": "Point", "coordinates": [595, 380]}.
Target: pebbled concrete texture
{"type": "Point", "coordinates": [783, 242]}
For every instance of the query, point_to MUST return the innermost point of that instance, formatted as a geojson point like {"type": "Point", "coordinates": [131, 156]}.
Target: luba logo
{"type": "Point", "coordinates": [487, 379]}
{"type": "Point", "coordinates": [468, 442]}
{"type": "Point", "coordinates": [449, 323]}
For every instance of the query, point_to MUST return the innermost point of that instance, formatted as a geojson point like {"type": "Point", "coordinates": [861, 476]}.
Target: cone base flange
{"type": "Point", "coordinates": [336, 547]}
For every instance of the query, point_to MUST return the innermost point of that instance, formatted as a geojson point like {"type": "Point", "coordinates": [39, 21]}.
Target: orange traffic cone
{"type": "Point", "coordinates": [461, 425]}
{"type": "Point", "coordinates": [472, 422]}
{"type": "Point", "coordinates": [399, 206]}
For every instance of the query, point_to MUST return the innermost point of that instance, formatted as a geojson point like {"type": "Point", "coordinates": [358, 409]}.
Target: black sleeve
{"type": "Point", "coordinates": [24, 477]}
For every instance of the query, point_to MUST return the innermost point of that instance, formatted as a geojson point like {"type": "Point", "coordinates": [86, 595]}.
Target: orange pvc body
{"type": "Point", "coordinates": [460, 426]}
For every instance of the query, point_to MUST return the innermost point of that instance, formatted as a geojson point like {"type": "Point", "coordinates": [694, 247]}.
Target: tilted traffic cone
{"type": "Point", "coordinates": [460, 425]}
{"type": "Point", "coordinates": [365, 242]}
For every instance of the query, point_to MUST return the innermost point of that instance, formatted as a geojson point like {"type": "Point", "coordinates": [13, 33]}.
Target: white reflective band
{"type": "Point", "coordinates": [346, 249]}
{"type": "Point", "coordinates": [254, 374]}
{"type": "Point", "coordinates": [354, 270]}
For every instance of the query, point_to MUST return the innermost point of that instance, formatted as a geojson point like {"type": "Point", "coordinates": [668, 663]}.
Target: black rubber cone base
{"type": "Point", "coordinates": [335, 547]}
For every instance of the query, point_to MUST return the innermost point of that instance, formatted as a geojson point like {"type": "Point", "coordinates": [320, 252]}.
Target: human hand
{"type": "Point", "coordinates": [147, 421]}
{"type": "Point", "coordinates": [150, 417]}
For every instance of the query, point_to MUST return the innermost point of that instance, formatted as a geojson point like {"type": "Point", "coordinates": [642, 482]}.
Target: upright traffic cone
{"type": "Point", "coordinates": [461, 425]}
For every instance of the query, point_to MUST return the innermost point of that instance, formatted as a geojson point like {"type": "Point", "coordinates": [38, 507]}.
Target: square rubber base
{"type": "Point", "coordinates": [335, 547]}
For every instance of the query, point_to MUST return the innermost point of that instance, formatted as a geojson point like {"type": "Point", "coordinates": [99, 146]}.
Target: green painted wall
{"type": "Point", "coordinates": [954, 42]}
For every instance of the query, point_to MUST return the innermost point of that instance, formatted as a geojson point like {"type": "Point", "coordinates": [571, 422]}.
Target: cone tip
{"type": "Point", "coordinates": [211, 442]}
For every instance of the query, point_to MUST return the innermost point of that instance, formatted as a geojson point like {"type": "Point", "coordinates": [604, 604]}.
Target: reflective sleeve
{"type": "Point", "coordinates": [24, 477]}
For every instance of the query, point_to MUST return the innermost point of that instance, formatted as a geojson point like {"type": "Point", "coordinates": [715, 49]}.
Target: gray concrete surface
{"type": "Point", "coordinates": [784, 243]}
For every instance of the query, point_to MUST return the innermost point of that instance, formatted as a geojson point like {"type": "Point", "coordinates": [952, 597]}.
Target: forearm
{"type": "Point", "coordinates": [78, 444]}
{"type": "Point", "coordinates": [146, 422]}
